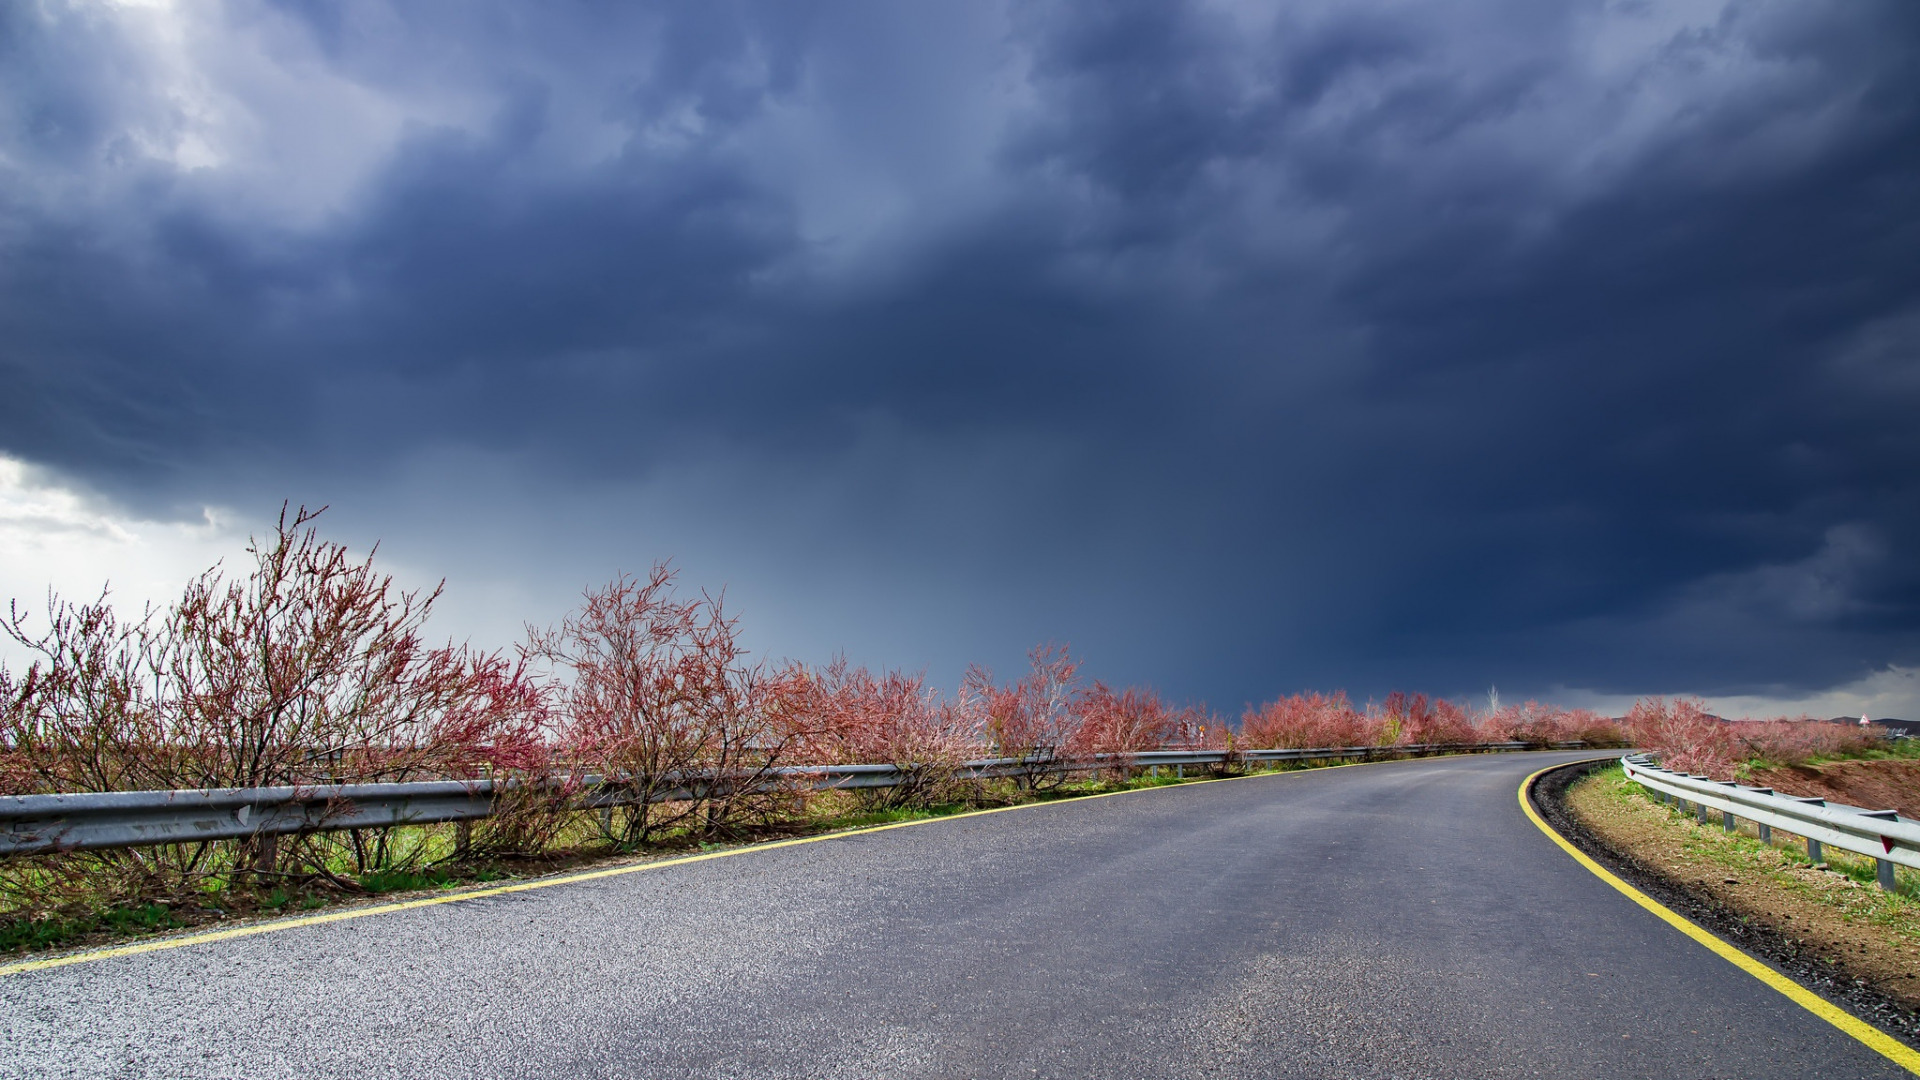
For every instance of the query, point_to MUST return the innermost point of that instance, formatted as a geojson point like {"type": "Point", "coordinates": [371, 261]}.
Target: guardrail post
{"type": "Point", "coordinates": [1814, 854]}
{"type": "Point", "coordinates": [1728, 821]}
{"type": "Point", "coordinates": [462, 838]}
{"type": "Point", "coordinates": [1766, 831]}
{"type": "Point", "coordinates": [1883, 869]}
{"type": "Point", "coordinates": [1700, 811]}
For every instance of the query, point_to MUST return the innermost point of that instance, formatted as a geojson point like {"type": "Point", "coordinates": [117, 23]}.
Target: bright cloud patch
{"type": "Point", "coordinates": [56, 537]}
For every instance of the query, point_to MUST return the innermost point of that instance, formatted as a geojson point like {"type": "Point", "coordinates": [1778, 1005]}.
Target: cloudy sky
{"type": "Point", "coordinates": [1249, 347]}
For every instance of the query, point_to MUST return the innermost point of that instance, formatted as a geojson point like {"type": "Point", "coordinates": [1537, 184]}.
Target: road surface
{"type": "Point", "coordinates": [1393, 920]}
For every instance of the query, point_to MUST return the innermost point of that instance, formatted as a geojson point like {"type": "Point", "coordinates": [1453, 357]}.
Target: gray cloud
{"type": "Point", "coordinates": [1248, 348]}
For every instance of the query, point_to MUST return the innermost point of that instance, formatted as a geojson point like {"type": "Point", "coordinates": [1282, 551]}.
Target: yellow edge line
{"type": "Point", "coordinates": [568, 879]}
{"type": "Point", "coordinates": [1893, 1049]}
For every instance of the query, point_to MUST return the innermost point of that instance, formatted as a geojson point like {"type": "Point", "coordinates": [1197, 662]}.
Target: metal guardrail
{"type": "Point", "coordinates": [1882, 835]}
{"type": "Point", "coordinates": [88, 821]}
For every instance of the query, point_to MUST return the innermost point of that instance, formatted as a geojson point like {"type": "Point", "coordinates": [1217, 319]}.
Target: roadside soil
{"type": "Point", "coordinates": [1892, 784]}
{"type": "Point", "coordinates": [1848, 942]}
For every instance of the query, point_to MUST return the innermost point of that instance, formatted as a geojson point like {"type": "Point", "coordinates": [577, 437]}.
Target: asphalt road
{"type": "Point", "coordinates": [1394, 920]}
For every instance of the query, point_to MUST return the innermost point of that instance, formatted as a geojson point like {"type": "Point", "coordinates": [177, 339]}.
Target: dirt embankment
{"type": "Point", "coordinates": [1875, 785]}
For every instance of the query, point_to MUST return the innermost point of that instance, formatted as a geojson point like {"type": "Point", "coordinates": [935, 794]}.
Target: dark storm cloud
{"type": "Point", "coordinates": [1248, 349]}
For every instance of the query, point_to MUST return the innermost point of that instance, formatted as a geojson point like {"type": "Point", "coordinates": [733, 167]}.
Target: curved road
{"type": "Point", "coordinates": [1393, 920]}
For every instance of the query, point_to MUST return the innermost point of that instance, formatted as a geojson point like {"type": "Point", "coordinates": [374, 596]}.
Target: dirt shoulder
{"type": "Point", "coordinates": [1891, 784]}
{"type": "Point", "coordinates": [1849, 942]}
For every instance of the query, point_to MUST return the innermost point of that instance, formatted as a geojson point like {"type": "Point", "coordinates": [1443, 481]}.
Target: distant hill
{"type": "Point", "coordinates": [1908, 728]}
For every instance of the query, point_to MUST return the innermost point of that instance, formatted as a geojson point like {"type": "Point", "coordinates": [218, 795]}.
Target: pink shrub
{"type": "Point", "coordinates": [653, 689]}
{"type": "Point", "coordinates": [1540, 725]}
{"type": "Point", "coordinates": [1197, 729]}
{"type": "Point", "coordinates": [845, 715]}
{"type": "Point", "coordinates": [310, 669]}
{"type": "Point", "coordinates": [1415, 721]}
{"type": "Point", "coordinates": [1035, 718]}
{"type": "Point", "coordinates": [1589, 727]}
{"type": "Point", "coordinates": [1685, 736]}
{"type": "Point", "coordinates": [1124, 723]}
{"type": "Point", "coordinates": [1308, 721]}
{"type": "Point", "coordinates": [1793, 742]}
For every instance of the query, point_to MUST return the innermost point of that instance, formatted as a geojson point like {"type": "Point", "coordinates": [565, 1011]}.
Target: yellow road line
{"type": "Point", "coordinates": [564, 879]}
{"type": "Point", "coordinates": [1889, 1047]}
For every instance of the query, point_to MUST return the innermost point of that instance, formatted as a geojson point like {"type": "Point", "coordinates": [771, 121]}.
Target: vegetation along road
{"type": "Point", "coordinates": [1394, 920]}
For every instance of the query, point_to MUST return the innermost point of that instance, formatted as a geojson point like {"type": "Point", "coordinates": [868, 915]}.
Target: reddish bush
{"type": "Point", "coordinates": [310, 670]}
{"type": "Point", "coordinates": [1415, 721]}
{"type": "Point", "coordinates": [1319, 720]}
{"type": "Point", "coordinates": [845, 715]}
{"type": "Point", "coordinates": [1793, 742]}
{"type": "Point", "coordinates": [656, 700]}
{"type": "Point", "coordinates": [1308, 721]}
{"type": "Point", "coordinates": [1684, 735]}
{"type": "Point", "coordinates": [1195, 728]}
{"type": "Point", "coordinates": [1540, 724]}
{"type": "Point", "coordinates": [1034, 719]}
{"type": "Point", "coordinates": [79, 717]}
{"type": "Point", "coordinates": [1686, 738]}
{"type": "Point", "coordinates": [1125, 723]}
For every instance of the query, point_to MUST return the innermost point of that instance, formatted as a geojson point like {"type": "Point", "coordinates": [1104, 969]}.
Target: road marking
{"type": "Point", "coordinates": [1888, 1046]}
{"type": "Point", "coordinates": [568, 879]}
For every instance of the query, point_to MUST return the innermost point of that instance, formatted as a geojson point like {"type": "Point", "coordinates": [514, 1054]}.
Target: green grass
{"type": "Point", "coordinates": [281, 900]}
{"type": "Point", "coordinates": [1897, 750]}
{"type": "Point", "coordinates": [51, 932]}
